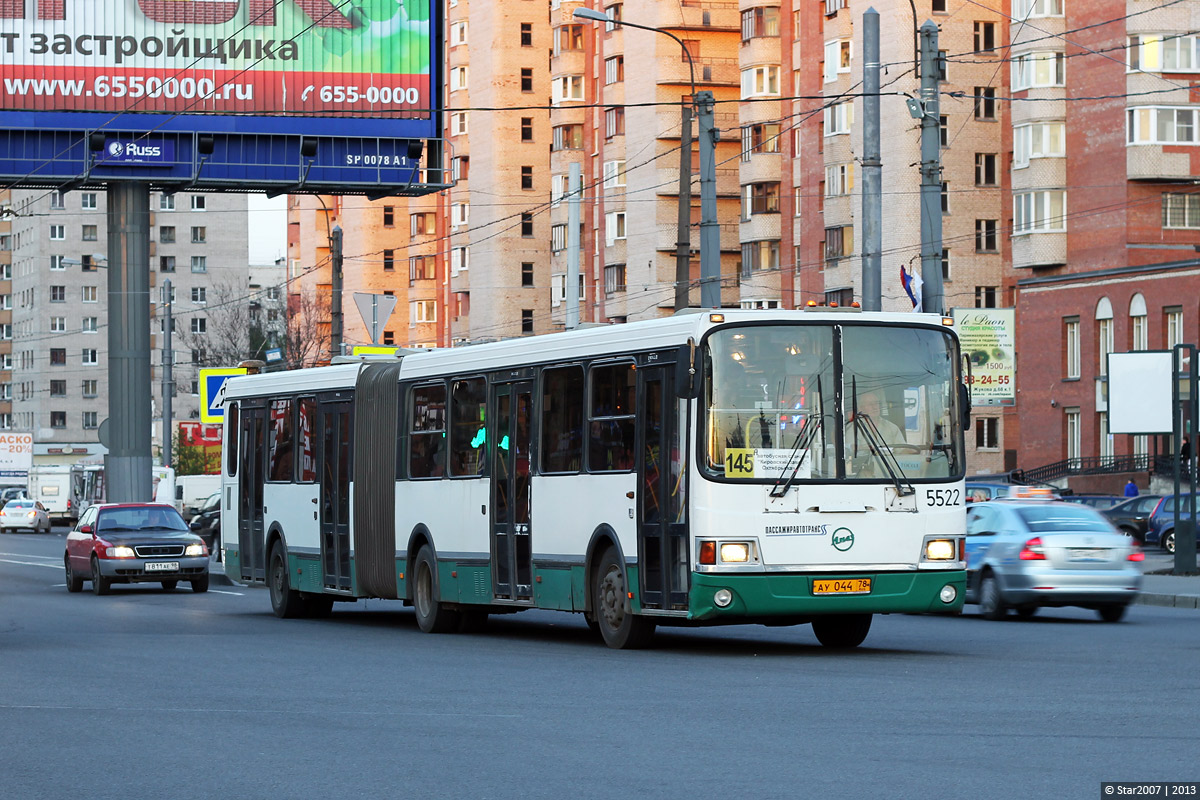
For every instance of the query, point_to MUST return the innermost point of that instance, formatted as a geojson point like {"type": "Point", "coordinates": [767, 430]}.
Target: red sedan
{"type": "Point", "coordinates": [134, 543]}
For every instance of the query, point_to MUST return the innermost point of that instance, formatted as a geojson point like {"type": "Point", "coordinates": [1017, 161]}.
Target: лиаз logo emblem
{"type": "Point", "coordinates": [843, 539]}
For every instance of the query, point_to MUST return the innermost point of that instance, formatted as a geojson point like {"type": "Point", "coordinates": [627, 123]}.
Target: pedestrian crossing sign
{"type": "Point", "coordinates": [212, 392]}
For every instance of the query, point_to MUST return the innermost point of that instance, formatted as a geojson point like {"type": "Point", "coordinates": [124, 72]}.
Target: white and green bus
{"type": "Point", "coordinates": [771, 467]}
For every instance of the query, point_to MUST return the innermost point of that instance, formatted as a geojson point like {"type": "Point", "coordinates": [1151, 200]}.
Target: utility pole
{"type": "Point", "coordinates": [683, 241]}
{"type": "Point", "coordinates": [933, 297]}
{"type": "Point", "coordinates": [168, 368]}
{"type": "Point", "coordinates": [710, 229]}
{"type": "Point", "coordinates": [574, 190]}
{"type": "Point", "coordinates": [872, 166]}
{"type": "Point", "coordinates": [335, 301]}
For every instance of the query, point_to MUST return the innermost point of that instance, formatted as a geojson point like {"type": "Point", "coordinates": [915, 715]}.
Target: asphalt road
{"type": "Point", "coordinates": [151, 694]}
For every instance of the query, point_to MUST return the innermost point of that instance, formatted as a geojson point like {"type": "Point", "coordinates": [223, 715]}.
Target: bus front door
{"type": "Point", "coordinates": [662, 462]}
{"type": "Point", "coordinates": [251, 537]}
{"type": "Point", "coordinates": [334, 429]}
{"type": "Point", "coordinates": [512, 552]}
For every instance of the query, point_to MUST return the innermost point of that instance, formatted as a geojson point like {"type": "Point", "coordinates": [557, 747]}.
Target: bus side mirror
{"type": "Point", "coordinates": [687, 378]}
{"type": "Point", "coordinates": [964, 403]}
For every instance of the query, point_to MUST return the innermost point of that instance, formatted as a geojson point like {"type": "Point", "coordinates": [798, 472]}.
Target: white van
{"type": "Point", "coordinates": [192, 490]}
{"type": "Point", "coordinates": [50, 485]}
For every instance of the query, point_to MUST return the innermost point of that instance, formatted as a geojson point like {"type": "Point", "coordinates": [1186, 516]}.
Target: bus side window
{"type": "Point", "coordinates": [427, 440]}
{"type": "Point", "coordinates": [468, 428]}
{"type": "Point", "coordinates": [306, 463]}
{"type": "Point", "coordinates": [232, 435]}
{"type": "Point", "coordinates": [613, 400]}
{"type": "Point", "coordinates": [562, 420]}
{"type": "Point", "coordinates": [281, 442]}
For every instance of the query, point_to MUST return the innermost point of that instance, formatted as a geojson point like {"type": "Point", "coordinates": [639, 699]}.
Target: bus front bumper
{"type": "Point", "coordinates": [791, 595]}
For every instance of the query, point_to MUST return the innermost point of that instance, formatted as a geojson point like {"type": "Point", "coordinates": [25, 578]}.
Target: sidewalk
{"type": "Point", "coordinates": [1160, 588]}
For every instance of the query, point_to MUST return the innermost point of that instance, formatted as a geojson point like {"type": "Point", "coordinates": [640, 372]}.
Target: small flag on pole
{"type": "Point", "coordinates": [912, 286]}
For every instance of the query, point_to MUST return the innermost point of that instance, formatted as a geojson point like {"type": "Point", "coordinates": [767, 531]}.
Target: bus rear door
{"type": "Point", "coordinates": [334, 427]}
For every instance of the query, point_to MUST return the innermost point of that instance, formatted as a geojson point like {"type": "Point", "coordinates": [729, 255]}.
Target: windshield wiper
{"type": "Point", "coordinates": [804, 440]}
{"type": "Point", "coordinates": [879, 448]}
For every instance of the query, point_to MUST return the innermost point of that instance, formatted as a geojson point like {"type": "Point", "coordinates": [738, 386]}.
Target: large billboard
{"type": "Point", "coordinates": [988, 338]}
{"type": "Point", "coordinates": [16, 457]}
{"type": "Point", "coordinates": [194, 90]}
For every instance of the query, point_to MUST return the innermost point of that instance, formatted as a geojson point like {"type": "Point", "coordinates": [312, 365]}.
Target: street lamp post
{"type": "Point", "coordinates": [710, 232]}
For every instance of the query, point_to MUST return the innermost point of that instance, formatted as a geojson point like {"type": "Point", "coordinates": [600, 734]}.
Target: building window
{"type": "Point", "coordinates": [613, 12]}
{"type": "Point", "coordinates": [1038, 70]}
{"type": "Point", "coordinates": [526, 79]}
{"type": "Point", "coordinates": [460, 259]}
{"type": "Point", "coordinates": [760, 22]}
{"type": "Point", "coordinates": [526, 274]}
{"type": "Point", "coordinates": [58, 201]}
{"type": "Point", "coordinates": [58, 324]}
{"type": "Point", "coordinates": [939, 6]}
{"type": "Point", "coordinates": [91, 356]}
{"type": "Point", "coordinates": [568, 37]}
{"type": "Point", "coordinates": [1173, 325]}
{"type": "Point", "coordinates": [1024, 9]}
{"type": "Point", "coordinates": [199, 295]}
{"type": "Point", "coordinates": [944, 131]}
{"type": "Point", "coordinates": [526, 177]}
{"type": "Point", "coordinates": [1104, 334]}
{"type": "Point", "coordinates": [199, 264]}
{"type": "Point", "coordinates": [459, 214]}
{"type": "Point", "coordinates": [421, 311]}
{"type": "Point", "coordinates": [1071, 337]}
{"type": "Point", "coordinates": [759, 257]}
{"type": "Point", "coordinates": [567, 137]}
{"type": "Point", "coordinates": [985, 169]}
{"type": "Point", "coordinates": [566, 88]}
{"type": "Point", "coordinates": [58, 294]}
{"type": "Point", "coordinates": [985, 236]}
{"type": "Point", "coordinates": [89, 233]}
{"type": "Point", "coordinates": [90, 421]}
{"type": "Point", "coordinates": [458, 123]}
{"type": "Point", "coordinates": [527, 34]}
{"type": "Point", "coordinates": [985, 37]}
{"type": "Point", "coordinates": [1072, 438]}
{"type": "Point", "coordinates": [1163, 126]}
{"type": "Point", "coordinates": [527, 320]}
{"type": "Point", "coordinates": [199, 202]}
{"type": "Point", "coordinates": [558, 238]}
{"type": "Point", "coordinates": [760, 138]}
{"type": "Point", "coordinates": [1164, 53]}
{"type": "Point", "coordinates": [166, 234]}
{"type": "Point", "coordinates": [166, 263]}
{"type": "Point", "coordinates": [1181, 210]}
{"type": "Point", "coordinates": [458, 78]}
{"type": "Point", "coordinates": [166, 202]}
{"type": "Point", "coordinates": [838, 119]}
{"type": "Point", "coordinates": [58, 356]}
{"type": "Point", "coordinates": [945, 197]}
{"type": "Point", "coordinates": [58, 263]}
{"type": "Point", "coordinates": [423, 224]}
{"type": "Point", "coordinates": [526, 129]}
{"type": "Point", "coordinates": [199, 326]}
{"type": "Point", "coordinates": [458, 33]}
{"type": "Point", "coordinates": [58, 419]}
{"type": "Point", "coordinates": [58, 233]}
{"type": "Point", "coordinates": [987, 433]}
{"type": "Point", "coordinates": [614, 226]}
{"type": "Point", "coordinates": [945, 263]}
{"type": "Point", "coordinates": [838, 59]}
{"type": "Point", "coordinates": [389, 216]}
{"type": "Point", "coordinates": [760, 82]}
{"type": "Point", "coordinates": [985, 102]}
{"type": "Point", "coordinates": [1039, 211]}
{"type": "Point", "coordinates": [614, 278]}
{"type": "Point", "coordinates": [985, 296]}
{"type": "Point", "coordinates": [90, 325]}
{"type": "Point", "coordinates": [527, 224]}
{"type": "Point", "coordinates": [199, 234]}
{"type": "Point", "coordinates": [88, 294]}
{"type": "Point", "coordinates": [614, 69]}
{"type": "Point", "coordinates": [389, 260]}
{"type": "Point", "coordinates": [1139, 338]}
{"type": "Point", "coordinates": [614, 122]}
{"type": "Point", "coordinates": [1038, 140]}
{"type": "Point", "coordinates": [760, 198]}
{"type": "Point", "coordinates": [58, 388]}
{"type": "Point", "coordinates": [839, 243]}
{"type": "Point", "coordinates": [422, 268]}
{"type": "Point", "coordinates": [614, 174]}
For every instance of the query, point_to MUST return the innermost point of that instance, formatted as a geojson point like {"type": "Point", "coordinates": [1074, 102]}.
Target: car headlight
{"type": "Point", "coordinates": [194, 550]}
{"type": "Point", "coordinates": [735, 552]}
{"type": "Point", "coordinates": [939, 550]}
{"type": "Point", "coordinates": [121, 552]}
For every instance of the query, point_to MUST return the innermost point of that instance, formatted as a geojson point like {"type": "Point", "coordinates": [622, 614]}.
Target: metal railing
{"type": "Point", "coordinates": [1088, 465]}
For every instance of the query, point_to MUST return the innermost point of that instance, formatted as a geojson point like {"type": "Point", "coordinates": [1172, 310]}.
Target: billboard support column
{"type": "Point", "coordinates": [128, 463]}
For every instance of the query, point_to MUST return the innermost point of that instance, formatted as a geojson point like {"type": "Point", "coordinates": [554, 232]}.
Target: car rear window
{"type": "Point", "coordinates": [1046, 519]}
{"type": "Point", "coordinates": [19, 504]}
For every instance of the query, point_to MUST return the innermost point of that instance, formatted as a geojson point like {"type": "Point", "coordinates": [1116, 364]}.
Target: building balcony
{"type": "Point", "coordinates": [1153, 162]}
{"type": "Point", "coordinates": [761, 167]}
{"type": "Point", "coordinates": [760, 226]}
{"type": "Point", "coordinates": [1039, 173]}
{"type": "Point", "coordinates": [1039, 249]}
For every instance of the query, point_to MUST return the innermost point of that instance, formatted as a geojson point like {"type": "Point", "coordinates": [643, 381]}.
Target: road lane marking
{"type": "Point", "coordinates": [273, 712]}
{"type": "Point", "coordinates": [28, 555]}
{"type": "Point", "coordinates": [218, 591]}
{"type": "Point", "coordinates": [30, 563]}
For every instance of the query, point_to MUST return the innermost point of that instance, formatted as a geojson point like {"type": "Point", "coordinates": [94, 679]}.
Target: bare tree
{"type": "Point", "coordinates": [305, 337]}
{"type": "Point", "coordinates": [227, 334]}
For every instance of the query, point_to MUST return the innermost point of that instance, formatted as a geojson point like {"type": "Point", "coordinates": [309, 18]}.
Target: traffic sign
{"type": "Point", "coordinates": [212, 392]}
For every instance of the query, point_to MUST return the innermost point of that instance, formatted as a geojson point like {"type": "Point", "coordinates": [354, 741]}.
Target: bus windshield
{"type": "Point", "coordinates": [781, 408]}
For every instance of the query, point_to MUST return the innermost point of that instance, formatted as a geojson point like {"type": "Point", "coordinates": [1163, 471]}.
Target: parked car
{"type": "Point", "coordinates": [134, 543]}
{"type": "Point", "coordinates": [1036, 553]}
{"type": "Point", "coordinates": [981, 492]}
{"type": "Point", "coordinates": [18, 514]}
{"type": "Point", "coordinates": [1100, 501]}
{"type": "Point", "coordinates": [1133, 516]}
{"type": "Point", "coordinates": [207, 522]}
{"type": "Point", "coordinates": [1161, 528]}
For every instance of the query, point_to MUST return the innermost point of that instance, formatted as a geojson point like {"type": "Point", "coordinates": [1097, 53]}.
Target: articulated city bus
{"type": "Point", "coordinates": [772, 467]}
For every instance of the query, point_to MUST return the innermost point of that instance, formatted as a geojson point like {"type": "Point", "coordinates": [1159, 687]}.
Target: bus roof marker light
{"type": "Point", "coordinates": [948, 321]}
{"type": "Point", "coordinates": [716, 318]}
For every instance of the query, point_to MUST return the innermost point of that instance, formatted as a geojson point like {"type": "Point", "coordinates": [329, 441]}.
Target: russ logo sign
{"type": "Point", "coordinates": [137, 152]}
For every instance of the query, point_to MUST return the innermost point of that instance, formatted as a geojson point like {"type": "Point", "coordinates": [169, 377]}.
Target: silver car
{"type": "Point", "coordinates": [1027, 555]}
{"type": "Point", "coordinates": [28, 514]}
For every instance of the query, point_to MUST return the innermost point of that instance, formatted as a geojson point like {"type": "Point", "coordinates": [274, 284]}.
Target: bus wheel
{"type": "Point", "coordinates": [621, 629]}
{"type": "Point", "coordinates": [842, 630]}
{"type": "Point", "coordinates": [285, 601]}
{"type": "Point", "coordinates": [432, 616]}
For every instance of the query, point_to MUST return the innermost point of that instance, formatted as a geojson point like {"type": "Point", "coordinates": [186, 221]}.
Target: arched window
{"type": "Point", "coordinates": [1139, 338]}
{"type": "Point", "coordinates": [1104, 334]}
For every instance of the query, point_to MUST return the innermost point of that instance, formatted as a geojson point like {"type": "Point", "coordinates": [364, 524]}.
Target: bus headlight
{"type": "Point", "coordinates": [940, 550]}
{"type": "Point", "coordinates": [722, 598]}
{"type": "Point", "coordinates": [735, 552]}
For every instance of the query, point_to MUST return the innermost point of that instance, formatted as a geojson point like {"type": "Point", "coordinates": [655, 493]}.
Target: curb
{"type": "Point", "coordinates": [1168, 600]}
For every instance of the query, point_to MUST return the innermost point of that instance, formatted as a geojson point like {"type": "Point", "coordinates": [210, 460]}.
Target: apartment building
{"type": "Point", "coordinates": [1105, 215]}
{"type": "Point", "coordinates": [59, 299]}
{"type": "Point", "coordinates": [6, 244]}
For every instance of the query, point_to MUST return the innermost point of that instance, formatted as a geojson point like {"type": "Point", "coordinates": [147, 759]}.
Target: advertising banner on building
{"type": "Point", "coordinates": [16, 456]}
{"type": "Point", "coordinates": [988, 339]}
{"type": "Point", "coordinates": [335, 58]}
